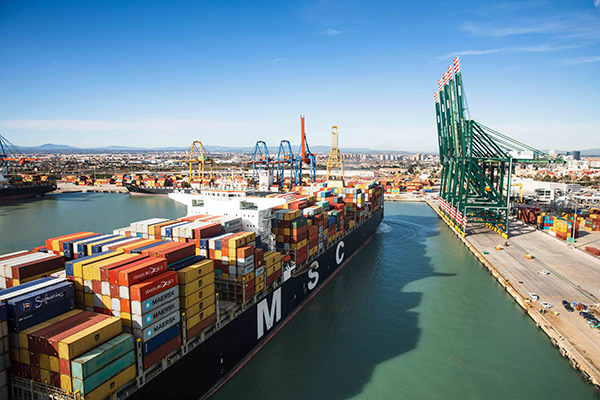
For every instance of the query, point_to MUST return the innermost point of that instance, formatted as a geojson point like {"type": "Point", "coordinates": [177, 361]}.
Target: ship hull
{"type": "Point", "coordinates": [25, 191]}
{"type": "Point", "coordinates": [206, 368]}
{"type": "Point", "coordinates": [156, 191]}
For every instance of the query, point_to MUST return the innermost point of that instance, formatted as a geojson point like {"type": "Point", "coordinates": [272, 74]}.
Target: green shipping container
{"type": "Point", "coordinates": [99, 357]}
{"type": "Point", "coordinates": [92, 382]}
{"type": "Point", "coordinates": [299, 222]}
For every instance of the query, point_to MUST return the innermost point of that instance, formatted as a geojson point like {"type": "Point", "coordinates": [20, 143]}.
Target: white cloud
{"type": "Point", "coordinates": [522, 49]}
{"type": "Point", "coordinates": [275, 60]}
{"type": "Point", "coordinates": [332, 32]}
{"type": "Point", "coordinates": [573, 61]}
{"type": "Point", "coordinates": [488, 30]}
{"type": "Point", "coordinates": [597, 3]}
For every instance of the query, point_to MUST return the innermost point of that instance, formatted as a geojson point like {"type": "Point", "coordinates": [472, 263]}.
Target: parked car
{"type": "Point", "coordinates": [543, 272]}
{"type": "Point", "coordinates": [568, 307]}
{"type": "Point", "coordinates": [545, 304]}
{"type": "Point", "coordinates": [534, 296]}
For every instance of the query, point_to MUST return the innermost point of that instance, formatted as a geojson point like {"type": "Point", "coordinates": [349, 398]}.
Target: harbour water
{"type": "Point", "coordinates": [413, 316]}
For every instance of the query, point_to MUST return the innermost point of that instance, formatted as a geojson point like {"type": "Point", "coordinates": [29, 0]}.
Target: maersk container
{"type": "Point", "coordinates": [158, 327]}
{"type": "Point", "coordinates": [143, 307]}
{"type": "Point", "coordinates": [90, 383]}
{"type": "Point", "coordinates": [143, 321]}
{"type": "Point", "coordinates": [160, 340]}
{"type": "Point", "coordinates": [99, 357]}
{"type": "Point", "coordinates": [19, 324]}
{"type": "Point", "coordinates": [38, 300]}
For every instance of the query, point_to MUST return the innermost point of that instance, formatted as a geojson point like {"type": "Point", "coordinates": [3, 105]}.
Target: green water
{"type": "Point", "coordinates": [413, 316]}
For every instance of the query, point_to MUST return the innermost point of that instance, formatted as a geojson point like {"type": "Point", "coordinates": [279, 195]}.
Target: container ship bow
{"type": "Point", "coordinates": [174, 308]}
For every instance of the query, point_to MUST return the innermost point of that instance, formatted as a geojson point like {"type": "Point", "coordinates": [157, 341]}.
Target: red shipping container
{"type": "Point", "coordinates": [258, 254]}
{"type": "Point", "coordinates": [113, 274]}
{"type": "Point", "coordinates": [273, 277]}
{"type": "Point", "coordinates": [207, 231]}
{"type": "Point", "coordinates": [55, 379]}
{"type": "Point", "coordinates": [194, 217]}
{"type": "Point", "coordinates": [116, 246]}
{"type": "Point", "coordinates": [142, 271]}
{"type": "Point", "coordinates": [37, 267]}
{"type": "Point", "coordinates": [33, 338]}
{"type": "Point", "coordinates": [49, 344]}
{"type": "Point", "coordinates": [96, 287]}
{"type": "Point", "coordinates": [162, 352]}
{"type": "Point", "coordinates": [245, 251]}
{"type": "Point", "coordinates": [177, 253]}
{"type": "Point", "coordinates": [154, 285]}
{"type": "Point", "coordinates": [201, 326]}
{"type": "Point", "coordinates": [49, 241]}
{"type": "Point", "coordinates": [114, 290]}
{"type": "Point", "coordinates": [105, 271]}
{"type": "Point", "coordinates": [125, 305]}
{"type": "Point", "coordinates": [8, 282]}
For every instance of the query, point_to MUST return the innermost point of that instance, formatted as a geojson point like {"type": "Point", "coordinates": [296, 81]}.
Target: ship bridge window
{"type": "Point", "coordinates": [197, 203]}
{"type": "Point", "coordinates": [248, 205]}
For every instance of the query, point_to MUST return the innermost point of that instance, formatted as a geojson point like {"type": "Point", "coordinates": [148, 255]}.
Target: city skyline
{"type": "Point", "coordinates": [94, 75]}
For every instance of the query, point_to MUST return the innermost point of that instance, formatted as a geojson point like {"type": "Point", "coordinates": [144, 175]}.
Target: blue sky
{"type": "Point", "coordinates": [164, 73]}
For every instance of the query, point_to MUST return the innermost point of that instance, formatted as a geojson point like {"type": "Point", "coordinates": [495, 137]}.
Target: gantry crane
{"type": "Point", "coordinates": [305, 156]}
{"type": "Point", "coordinates": [477, 161]}
{"type": "Point", "coordinates": [260, 158]}
{"type": "Point", "coordinates": [284, 157]}
{"type": "Point", "coordinates": [9, 152]}
{"type": "Point", "coordinates": [335, 156]}
{"type": "Point", "coordinates": [196, 154]}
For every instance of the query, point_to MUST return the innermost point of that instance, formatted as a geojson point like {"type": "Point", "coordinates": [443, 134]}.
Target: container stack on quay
{"type": "Point", "coordinates": [406, 184]}
{"type": "Point", "coordinates": [592, 223]}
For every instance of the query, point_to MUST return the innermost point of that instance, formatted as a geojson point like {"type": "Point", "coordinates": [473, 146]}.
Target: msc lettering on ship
{"type": "Point", "coordinates": [268, 316]}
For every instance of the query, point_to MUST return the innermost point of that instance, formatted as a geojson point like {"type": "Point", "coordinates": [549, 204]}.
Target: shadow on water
{"type": "Point", "coordinates": [363, 318]}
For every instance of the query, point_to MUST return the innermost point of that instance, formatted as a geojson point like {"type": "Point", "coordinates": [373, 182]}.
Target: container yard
{"type": "Point", "coordinates": [88, 315]}
{"type": "Point", "coordinates": [533, 255]}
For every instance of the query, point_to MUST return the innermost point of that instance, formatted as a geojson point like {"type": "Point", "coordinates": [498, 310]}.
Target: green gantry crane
{"type": "Point", "coordinates": [476, 160]}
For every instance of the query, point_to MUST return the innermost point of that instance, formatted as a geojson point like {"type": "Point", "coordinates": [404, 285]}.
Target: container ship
{"type": "Point", "coordinates": [24, 186]}
{"type": "Point", "coordinates": [174, 308]}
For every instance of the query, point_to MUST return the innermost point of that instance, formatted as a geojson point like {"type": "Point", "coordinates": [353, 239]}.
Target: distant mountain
{"type": "Point", "coordinates": [50, 147]}
{"type": "Point", "coordinates": [590, 152]}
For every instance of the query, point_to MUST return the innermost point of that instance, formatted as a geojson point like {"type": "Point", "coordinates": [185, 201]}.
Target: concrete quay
{"type": "Point", "coordinates": [574, 276]}
{"type": "Point", "coordinates": [70, 188]}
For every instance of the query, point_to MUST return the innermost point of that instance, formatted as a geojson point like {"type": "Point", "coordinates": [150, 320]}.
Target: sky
{"type": "Point", "coordinates": [164, 73]}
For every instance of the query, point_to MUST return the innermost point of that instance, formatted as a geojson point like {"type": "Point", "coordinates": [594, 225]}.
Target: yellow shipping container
{"type": "Point", "coordinates": [85, 340]}
{"type": "Point", "coordinates": [78, 266]}
{"type": "Point", "coordinates": [106, 301]}
{"type": "Point", "coordinates": [259, 278]}
{"type": "Point", "coordinates": [111, 386]}
{"type": "Point", "coordinates": [272, 269]}
{"type": "Point", "coordinates": [54, 364]}
{"type": "Point", "coordinates": [259, 287]}
{"type": "Point", "coordinates": [188, 301]}
{"type": "Point", "coordinates": [24, 356]}
{"type": "Point", "coordinates": [45, 375]}
{"type": "Point", "coordinates": [193, 272]}
{"type": "Point", "coordinates": [201, 305]}
{"type": "Point", "coordinates": [92, 271]}
{"type": "Point", "coordinates": [65, 382]}
{"type": "Point", "coordinates": [44, 361]}
{"type": "Point", "coordinates": [197, 284]}
{"type": "Point", "coordinates": [88, 299]}
{"type": "Point", "coordinates": [201, 316]}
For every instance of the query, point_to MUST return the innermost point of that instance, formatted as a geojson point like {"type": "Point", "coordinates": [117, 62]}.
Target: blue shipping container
{"type": "Point", "coordinates": [185, 263]}
{"type": "Point", "coordinates": [151, 345]}
{"type": "Point", "coordinates": [6, 292]}
{"type": "Point", "coordinates": [26, 321]}
{"type": "Point", "coordinates": [39, 299]}
{"type": "Point", "coordinates": [140, 249]}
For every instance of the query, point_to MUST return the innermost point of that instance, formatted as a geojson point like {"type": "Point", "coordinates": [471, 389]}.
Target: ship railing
{"type": "Point", "coordinates": [26, 389]}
